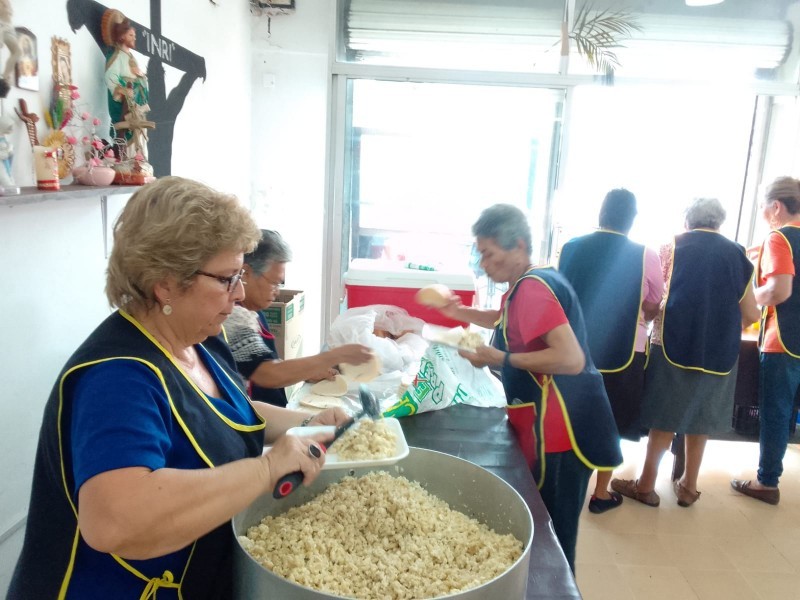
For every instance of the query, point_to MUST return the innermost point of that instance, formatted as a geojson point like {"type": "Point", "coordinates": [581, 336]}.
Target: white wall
{"type": "Point", "coordinates": [52, 263]}
{"type": "Point", "coordinates": [289, 137]}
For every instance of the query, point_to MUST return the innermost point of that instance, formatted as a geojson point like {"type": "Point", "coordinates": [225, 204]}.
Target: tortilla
{"type": "Point", "coordinates": [330, 387]}
{"type": "Point", "coordinates": [362, 373]}
{"type": "Point", "coordinates": [435, 295]}
{"type": "Point", "coordinates": [317, 401]}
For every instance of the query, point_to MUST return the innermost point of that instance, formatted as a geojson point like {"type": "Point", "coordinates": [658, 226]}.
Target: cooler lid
{"type": "Point", "coordinates": [383, 273]}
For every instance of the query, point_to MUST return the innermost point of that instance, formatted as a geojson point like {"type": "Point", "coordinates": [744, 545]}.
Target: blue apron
{"type": "Point", "coordinates": [582, 397]}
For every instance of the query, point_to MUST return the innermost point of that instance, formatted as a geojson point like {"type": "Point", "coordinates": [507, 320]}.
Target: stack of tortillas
{"type": "Point", "coordinates": [435, 295]}
{"type": "Point", "coordinates": [362, 373]}
{"type": "Point", "coordinates": [326, 393]}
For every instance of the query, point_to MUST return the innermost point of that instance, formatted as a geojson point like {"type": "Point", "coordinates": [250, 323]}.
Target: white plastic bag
{"type": "Point", "coordinates": [358, 326]}
{"type": "Point", "coordinates": [445, 378]}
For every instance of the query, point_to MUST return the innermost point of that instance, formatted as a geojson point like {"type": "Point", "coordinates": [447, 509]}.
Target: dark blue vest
{"type": "Point", "coordinates": [787, 313]}
{"type": "Point", "coordinates": [52, 528]}
{"type": "Point", "coordinates": [606, 270]}
{"type": "Point", "coordinates": [702, 323]}
{"type": "Point", "coordinates": [582, 397]}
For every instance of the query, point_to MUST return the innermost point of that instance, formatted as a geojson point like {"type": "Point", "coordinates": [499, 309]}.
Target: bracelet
{"type": "Point", "coordinates": [507, 360]}
{"type": "Point", "coordinates": [306, 421]}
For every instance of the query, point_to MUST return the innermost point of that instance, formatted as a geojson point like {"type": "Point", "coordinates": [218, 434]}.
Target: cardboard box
{"type": "Point", "coordinates": [369, 281]}
{"type": "Point", "coordinates": [285, 318]}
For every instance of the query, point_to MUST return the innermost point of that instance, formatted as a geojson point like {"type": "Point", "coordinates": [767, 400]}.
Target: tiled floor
{"type": "Point", "coordinates": [724, 547]}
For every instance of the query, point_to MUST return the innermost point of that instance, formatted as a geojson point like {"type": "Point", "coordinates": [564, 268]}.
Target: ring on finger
{"type": "Point", "coordinates": [314, 451]}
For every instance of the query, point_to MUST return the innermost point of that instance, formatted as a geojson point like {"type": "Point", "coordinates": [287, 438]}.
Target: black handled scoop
{"type": "Point", "coordinates": [369, 408]}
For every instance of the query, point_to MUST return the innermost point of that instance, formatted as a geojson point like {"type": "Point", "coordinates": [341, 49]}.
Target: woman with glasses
{"type": "Point", "coordinates": [148, 444]}
{"type": "Point", "coordinates": [251, 341]}
{"type": "Point", "coordinates": [779, 374]}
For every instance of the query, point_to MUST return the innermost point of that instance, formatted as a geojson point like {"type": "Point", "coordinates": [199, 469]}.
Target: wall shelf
{"type": "Point", "coordinates": [33, 195]}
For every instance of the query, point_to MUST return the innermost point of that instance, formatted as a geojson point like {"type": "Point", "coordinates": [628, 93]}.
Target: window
{"type": "Point", "coordinates": [426, 158]}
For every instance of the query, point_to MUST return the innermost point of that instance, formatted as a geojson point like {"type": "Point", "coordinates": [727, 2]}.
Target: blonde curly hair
{"type": "Point", "coordinates": [172, 227]}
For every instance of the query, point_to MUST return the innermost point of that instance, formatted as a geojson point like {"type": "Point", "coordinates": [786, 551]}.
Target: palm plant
{"type": "Point", "coordinates": [596, 34]}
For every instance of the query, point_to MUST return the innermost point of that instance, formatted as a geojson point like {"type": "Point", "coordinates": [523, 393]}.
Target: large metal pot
{"type": "Point", "coordinates": [465, 486]}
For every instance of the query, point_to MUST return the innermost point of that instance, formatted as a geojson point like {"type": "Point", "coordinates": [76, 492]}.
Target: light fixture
{"type": "Point", "coordinates": [703, 2]}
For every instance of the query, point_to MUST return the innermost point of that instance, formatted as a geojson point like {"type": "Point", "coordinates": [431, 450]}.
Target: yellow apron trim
{"type": "Point", "coordinates": [775, 312]}
{"type": "Point", "coordinates": [548, 380]}
{"type": "Point", "coordinates": [62, 593]}
{"type": "Point", "coordinates": [664, 316]}
{"type": "Point", "coordinates": [167, 579]}
{"type": "Point", "coordinates": [186, 569]}
{"type": "Point", "coordinates": [203, 396]}
{"type": "Point", "coordinates": [151, 589]}
{"type": "Point", "coordinates": [172, 406]}
{"type": "Point", "coordinates": [638, 314]}
{"type": "Point", "coordinates": [575, 448]}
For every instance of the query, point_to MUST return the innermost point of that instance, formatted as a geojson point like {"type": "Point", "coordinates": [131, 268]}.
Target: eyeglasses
{"type": "Point", "coordinates": [276, 284]}
{"type": "Point", "coordinates": [230, 282]}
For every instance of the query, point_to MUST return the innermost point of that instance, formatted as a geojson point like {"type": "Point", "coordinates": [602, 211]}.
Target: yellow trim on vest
{"type": "Point", "coordinates": [545, 388]}
{"type": "Point", "coordinates": [638, 314]}
{"type": "Point", "coordinates": [664, 315]}
{"type": "Point", "coordinates": [575, 448]}
{"type": "Point", "coordinates": [167, 579]}
{"type": "Point", "coordinates": [62, 593]}
{"type": "Point", "coordinates": [777, 323]}
{"type": "Point", "coordinates": [153, 583]}
{"type": "Point", "coordinates": [190, 381]}
{"type": "Point", "coordinates": [539, 439]}
{"type": "Point", "coordinates": [224, 334]}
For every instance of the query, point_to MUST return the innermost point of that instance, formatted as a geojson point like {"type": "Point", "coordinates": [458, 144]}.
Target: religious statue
{"type": "Point", "coordinates": [128, 96]}
{"type": "Point", "coordinates": [8, 37]}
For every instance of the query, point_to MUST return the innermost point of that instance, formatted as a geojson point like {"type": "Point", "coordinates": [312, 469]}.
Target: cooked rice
{"type": "Point", "coordinates": [380, 537]}
{"type": "Point", "coordinates": [364, 440]}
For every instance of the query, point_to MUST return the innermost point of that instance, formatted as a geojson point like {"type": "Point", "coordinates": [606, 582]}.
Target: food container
{"type": "Point", "coordinates": [465, 486]}
{"type": "Point", "coordinates": [370, 281]}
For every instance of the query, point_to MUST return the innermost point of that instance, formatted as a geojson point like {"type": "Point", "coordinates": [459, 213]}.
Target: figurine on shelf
{"type": "Point", "coordinates": [8, 37]}
{"type": "Point", "coordinates": [128, 95]}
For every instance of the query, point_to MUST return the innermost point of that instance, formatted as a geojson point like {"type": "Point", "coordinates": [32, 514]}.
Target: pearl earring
{"type": "Point", "coordinates": [166, 309]}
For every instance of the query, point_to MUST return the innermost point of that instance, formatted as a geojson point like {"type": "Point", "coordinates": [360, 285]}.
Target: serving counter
{"type": "Point", "coordinates": [484, 437]}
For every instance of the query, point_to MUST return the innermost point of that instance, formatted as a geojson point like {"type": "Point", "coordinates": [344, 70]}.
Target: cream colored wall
{"type": "Point", "coordinates": [52, 262]}
{"type": "Point", "coordinates": [290, 104]}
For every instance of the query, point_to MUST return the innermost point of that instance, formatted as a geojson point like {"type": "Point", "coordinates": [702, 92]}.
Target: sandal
{"type": "Point", "coordinates": [685, 497]}
{"type": "Point", "coordinates": [629, 488]}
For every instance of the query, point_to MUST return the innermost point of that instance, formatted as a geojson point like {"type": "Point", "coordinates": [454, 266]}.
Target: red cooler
{"type": "Point", "coordinates": [369, 281]}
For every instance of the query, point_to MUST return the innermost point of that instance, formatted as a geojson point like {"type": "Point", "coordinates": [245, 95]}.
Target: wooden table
{"type": "Point", "coordinates": [484, 437]}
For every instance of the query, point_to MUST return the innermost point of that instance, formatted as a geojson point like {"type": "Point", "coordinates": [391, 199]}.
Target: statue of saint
{"type": "Point", "coordinates": [128, 93]}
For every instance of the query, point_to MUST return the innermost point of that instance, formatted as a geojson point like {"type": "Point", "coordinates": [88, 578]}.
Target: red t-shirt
{"type": "Point", "coordinates": [776, 259]}
{"type": "Point", "coordinates": [535, 312]}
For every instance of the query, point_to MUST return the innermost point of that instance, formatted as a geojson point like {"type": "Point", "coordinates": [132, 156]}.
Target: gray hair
{"type": "Point", "coordinates": [505, 224]}
{"type": "Point", "coordinates": [706, 213]}
{"type": "Point", "coordinates": [271, 249]}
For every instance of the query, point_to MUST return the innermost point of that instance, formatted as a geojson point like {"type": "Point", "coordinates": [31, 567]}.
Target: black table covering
{"type": "Point", "coordinates": [484, 437]}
